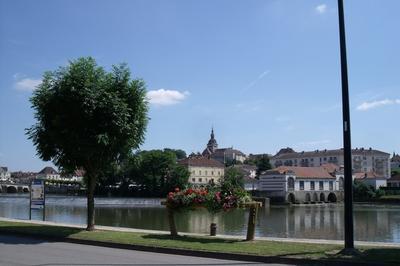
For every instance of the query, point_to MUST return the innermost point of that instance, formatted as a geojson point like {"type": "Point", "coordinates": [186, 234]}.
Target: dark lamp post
{"type": "Point", "coordinates": [348, 175]}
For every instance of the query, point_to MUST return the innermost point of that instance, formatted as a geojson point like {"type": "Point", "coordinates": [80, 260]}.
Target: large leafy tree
{"type": "Point", "coordinates": [88, 118]}
{"type": "Point", "coordinates": [158, 172]}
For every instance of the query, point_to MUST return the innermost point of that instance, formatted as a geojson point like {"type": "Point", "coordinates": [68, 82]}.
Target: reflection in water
{"type": "Point", "coordinates": [372, 222]}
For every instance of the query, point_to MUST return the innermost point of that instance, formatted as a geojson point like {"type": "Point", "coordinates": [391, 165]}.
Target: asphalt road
{"type": "Point", "coordinates": [28, 251]}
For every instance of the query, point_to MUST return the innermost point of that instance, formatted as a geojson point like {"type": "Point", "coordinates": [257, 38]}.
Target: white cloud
{"type": "Point", "coordinates": [164, 97]}
{"type": "Point", "coordinates": [375, 104]}
{"type": "Point", "coordinates": [321, 9]}
{"type": "Point", "coordinates": [27, 84]}
{"type": "Point", "coordinates": [254, 82]}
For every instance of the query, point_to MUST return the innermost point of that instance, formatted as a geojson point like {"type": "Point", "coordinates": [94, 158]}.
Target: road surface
{"type": "Point", "coordinates": [19, 251]}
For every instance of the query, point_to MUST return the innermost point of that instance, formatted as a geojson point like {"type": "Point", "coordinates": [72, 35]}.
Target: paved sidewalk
{"type": "Point", "coordinates": [278, 239]}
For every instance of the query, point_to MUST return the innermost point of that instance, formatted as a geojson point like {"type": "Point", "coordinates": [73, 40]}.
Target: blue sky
{"type": "Point", "coordinates": [264, 73]}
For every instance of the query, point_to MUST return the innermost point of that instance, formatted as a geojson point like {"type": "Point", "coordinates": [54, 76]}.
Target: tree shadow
{"type": "Point", "coordinates": [192, 239]}
{"type": "Point", "coordinates": [34, 234]}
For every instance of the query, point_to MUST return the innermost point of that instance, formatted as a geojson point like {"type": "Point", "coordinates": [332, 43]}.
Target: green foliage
{"type": "Point", "coordinates": [87, 118]}
{"type": "Point", "coordinates": [261, 161]}
{"type": "Point", "coordinates": [158, 172]}
{"type": "Point", "coordinates": [363, 192]}
{"type": "Point", "coordinates": [233, 178]}
{"type": "Point", "coordinates": [180, 154]}
{"type": "Point", "coordinates": [263, 164]}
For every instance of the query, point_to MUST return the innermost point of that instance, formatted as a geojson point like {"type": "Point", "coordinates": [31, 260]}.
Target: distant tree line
{"type": "Point", "coordinates": [151, 173]}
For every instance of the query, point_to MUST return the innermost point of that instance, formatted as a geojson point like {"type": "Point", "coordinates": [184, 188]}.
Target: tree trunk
{"type": "Point", "coordinates": [91, 184]}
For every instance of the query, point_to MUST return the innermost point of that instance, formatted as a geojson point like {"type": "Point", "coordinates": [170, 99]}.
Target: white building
{"type": "Point", "coordinates": [48, 173]}
{"type": "Point", "coordinates": [5, 175]}
{"type": "Point", "coordinates": [301, 184]}
{"type": "Point", "coordinates": [203, 170]}
{"type": "Point", "coordinates": [371, 179]}
{"type": "Point", "coordinates": [364, 160]}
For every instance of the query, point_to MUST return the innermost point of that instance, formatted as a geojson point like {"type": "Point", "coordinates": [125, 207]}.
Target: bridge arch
{"type": "Point", "coordinates": [332, 197]}
{"type": "Point", "coordinates": [322, 197]}
{"type": "Point", "coordinates": [308, 197]}
{"type": "Point", "coordinates": [291, 198]}
{"type": "Point", "coordinates": [12, 189]}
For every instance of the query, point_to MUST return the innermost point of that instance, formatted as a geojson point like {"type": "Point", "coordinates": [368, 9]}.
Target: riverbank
{"type": "Point", "coordinates": [218, 247]}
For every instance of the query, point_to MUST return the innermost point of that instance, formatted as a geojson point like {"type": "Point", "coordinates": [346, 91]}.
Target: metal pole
{"type": "Point", "coordinates": [348, 178]}
{"type": "Point", "coordinates": [44, 200]}
{"type": "Point", "coordinates": [30, 201]}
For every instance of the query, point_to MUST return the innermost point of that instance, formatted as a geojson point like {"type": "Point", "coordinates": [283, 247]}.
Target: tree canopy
{"type": "Point", "coordinates": [88, 118]}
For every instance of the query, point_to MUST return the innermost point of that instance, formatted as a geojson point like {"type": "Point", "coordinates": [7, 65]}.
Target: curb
{"type": "Point", "coordinates": [195, 253]}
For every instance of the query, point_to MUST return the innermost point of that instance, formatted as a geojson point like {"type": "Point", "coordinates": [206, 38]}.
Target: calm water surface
{"type": "Point", "coordinates": [372, 222]}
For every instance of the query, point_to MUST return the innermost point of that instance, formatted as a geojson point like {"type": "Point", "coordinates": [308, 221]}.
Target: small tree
{"type": "Point", "coordinates": [233, 178]}
{"type": "Point", "coordinates": [88, 118]}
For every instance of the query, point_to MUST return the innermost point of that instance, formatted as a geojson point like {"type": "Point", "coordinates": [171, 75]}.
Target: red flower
{"type": "Point", "coordinates": [176, 189]}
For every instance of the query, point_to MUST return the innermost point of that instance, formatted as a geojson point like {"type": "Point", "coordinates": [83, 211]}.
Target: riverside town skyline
{"type": "Point", "coordinates": [278, 85]}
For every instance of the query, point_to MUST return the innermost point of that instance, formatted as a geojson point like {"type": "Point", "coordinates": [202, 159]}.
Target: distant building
{"type": "Point", "coordinates": [364, 160]}
{"type": "Point", "coordinates": [223, 155]}
{"type": "Point", "coordinates": [394, 181]}
{"type": "Point", "coordinates": [48, 173]}
{"type": "Point", "coordinates": [301, 184]}
{"type": "Point", "coordinates": [371, 179]}
{"type": "Point", "coordinates": [203, 170]}
{"type": "Point", "coordinates": [249, 176]}
{"type": "Point", "coordinates": [76, 176]}
{"type": "Point", "coordinates": [5, 175]}
{"type": "Point", "coordinates": [395, 161]}
{"type": "Point", "coordinates": [23, 177]}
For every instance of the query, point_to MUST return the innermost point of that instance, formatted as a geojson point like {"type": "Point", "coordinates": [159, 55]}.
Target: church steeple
{"type": "Point", "coordinates": [212, 144]}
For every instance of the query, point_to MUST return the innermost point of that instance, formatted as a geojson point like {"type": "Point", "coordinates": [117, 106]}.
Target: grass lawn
{"type": "Point", "coordinates": [258, 247]}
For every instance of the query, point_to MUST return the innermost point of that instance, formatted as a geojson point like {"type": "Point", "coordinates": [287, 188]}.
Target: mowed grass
{"type": "Point", "coordinates": [320, 252]}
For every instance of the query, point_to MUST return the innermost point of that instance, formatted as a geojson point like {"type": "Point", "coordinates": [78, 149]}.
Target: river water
{"type": "Point", "coordinates": [372, 222]}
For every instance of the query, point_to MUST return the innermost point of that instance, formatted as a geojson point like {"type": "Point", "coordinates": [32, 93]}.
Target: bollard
{"type": "Point", "coordinates": [213, 229]}
{"type": "Point", "coordinates": [171, 221]}
{"type": "Point", "coordinates": [251, 226]}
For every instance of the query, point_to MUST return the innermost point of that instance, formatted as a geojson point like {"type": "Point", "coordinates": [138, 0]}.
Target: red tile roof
{"type": "Point", "coordinates": [367, 175]}
{"type": "Point", "coordinates": [200, 161]}
{"type": "Point", "coordinates": [302, 172]}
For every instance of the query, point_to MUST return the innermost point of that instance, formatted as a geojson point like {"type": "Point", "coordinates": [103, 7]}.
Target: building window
{"type": "Point", "coordinates": [312, 185]}
{"type": "Point", "coordinates": [193, 180]}
{"type": "Point", "coordinates": [341, 181]}
{"type": "Point", "coordinates": [199, 172]}
{"type": "Point", "coordinates": [212, 172]}
{"type": "Point", "coordinates": [219, 173]}
{"type": "Point", "coordinates": [321, 185]}
{"type": "Point", "coordinates": [200, 179]}
{"type": "Point", "coordinates": [290, 183]}
{"type": "Point", "coordinates": [301, 185]}
{"type": "Point", "coordinates": [205, 172]}
{"type": "Point", "coordinates": [330, 185]}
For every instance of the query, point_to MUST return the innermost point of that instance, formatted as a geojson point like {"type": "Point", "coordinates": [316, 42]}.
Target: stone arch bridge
{"type": "Point", "coordinates": [13, 188]}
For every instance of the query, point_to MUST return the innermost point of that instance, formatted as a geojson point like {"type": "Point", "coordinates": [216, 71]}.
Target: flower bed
{"type": "Point", "coordinates": [214, 199]}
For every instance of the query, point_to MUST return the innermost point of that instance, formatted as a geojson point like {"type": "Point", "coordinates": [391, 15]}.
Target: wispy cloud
{"type": "Point", "coordinates": [313, 143]}
{"type": "Point", "coordinates": [321, 9]}
{"type": "Point", "coordinates": [164, 97]}
{"type": "Point", "coordinates": [25, 84]}
{"type": "Point", "coordinates": [365, 106]}
{"type": "Point", "coordinates": [254, 82]}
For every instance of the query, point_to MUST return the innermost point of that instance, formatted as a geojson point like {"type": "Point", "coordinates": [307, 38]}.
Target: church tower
{"type": "Point", "coordinates": [211, 145]}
